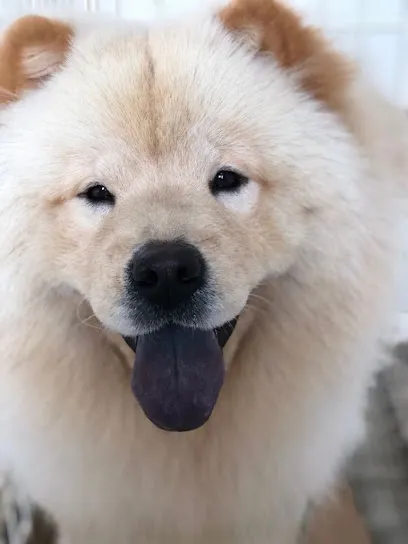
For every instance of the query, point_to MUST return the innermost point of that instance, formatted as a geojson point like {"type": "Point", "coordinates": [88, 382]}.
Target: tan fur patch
{"type": "Point", "coordinates": [32, 48]}
{"type": "Point", "coordinates": [324, 72]}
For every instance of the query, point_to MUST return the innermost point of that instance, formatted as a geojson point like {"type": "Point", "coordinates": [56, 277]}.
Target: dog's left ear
{"type": "Point", "coordinates": [31, 49]}
{"type": "Point", "coordinates": [277, 30]}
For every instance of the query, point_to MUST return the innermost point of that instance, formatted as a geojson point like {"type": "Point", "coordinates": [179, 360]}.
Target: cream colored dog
{"type": "Point", "coordinates": [155, 184]}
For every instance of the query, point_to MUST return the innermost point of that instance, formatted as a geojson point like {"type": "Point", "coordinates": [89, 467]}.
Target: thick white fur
{"type": "Point", "coordinates": [305, 348]}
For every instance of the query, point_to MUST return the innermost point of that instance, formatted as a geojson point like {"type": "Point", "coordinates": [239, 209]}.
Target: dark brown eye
{"type": "Point", "coordinates": [98, 194]}
{"type": "Point", "coordinates": [227, 181]}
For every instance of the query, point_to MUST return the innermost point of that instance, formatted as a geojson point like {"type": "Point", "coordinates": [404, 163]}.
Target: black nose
{"type": "Point", "coordinates": [167, 274]}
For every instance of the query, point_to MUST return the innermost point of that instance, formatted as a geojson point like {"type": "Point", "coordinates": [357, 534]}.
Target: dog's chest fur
{"type": "Point", "coordinates": [83, 449]}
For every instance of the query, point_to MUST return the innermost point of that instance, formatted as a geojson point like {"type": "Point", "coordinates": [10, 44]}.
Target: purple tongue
{"type": "Point", "coordinates": [177, 376]}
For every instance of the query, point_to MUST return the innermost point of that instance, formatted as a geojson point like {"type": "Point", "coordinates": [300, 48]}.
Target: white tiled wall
{"type": "Point", "coordinates": [373, 31]}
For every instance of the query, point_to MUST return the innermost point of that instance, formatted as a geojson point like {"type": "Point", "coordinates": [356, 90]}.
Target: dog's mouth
{"type": "Point", "coordinates": [178, 374]}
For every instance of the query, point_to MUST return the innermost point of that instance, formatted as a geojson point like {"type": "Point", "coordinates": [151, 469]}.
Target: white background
{"type": "Point", "coordinates": [373, 31]}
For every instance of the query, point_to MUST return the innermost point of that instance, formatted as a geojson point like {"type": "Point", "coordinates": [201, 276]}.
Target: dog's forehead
{"type": "Point", "coordinates": [189, 95]}
{"type": "Point", "coordinates": [159, 87]}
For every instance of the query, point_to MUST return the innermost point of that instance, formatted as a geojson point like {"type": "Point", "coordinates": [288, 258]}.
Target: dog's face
{"type": "Point", "coordinates": [175, 195]}
{"type": "Point", "coordinates": [173, 170]}
{"type": "Point", "coordinates": [178, 170]}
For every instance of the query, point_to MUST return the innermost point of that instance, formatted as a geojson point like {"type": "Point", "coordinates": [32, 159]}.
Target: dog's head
{"type": "Point", "coordinates": [165, 173]}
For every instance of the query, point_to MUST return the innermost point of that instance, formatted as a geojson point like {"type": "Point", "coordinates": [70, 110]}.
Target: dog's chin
{"type": "Point", "coordinates": [178, 374]}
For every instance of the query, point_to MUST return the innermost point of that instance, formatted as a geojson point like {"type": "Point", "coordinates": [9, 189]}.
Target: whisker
{"type": "Point", "coordinates": [86, 321]}
{"type": "Point", "coordinates": [257, 309]}
{"type": "Point", "coordinates": [7, 93]}
{"type": "Point", "coordinates": [262, 299]}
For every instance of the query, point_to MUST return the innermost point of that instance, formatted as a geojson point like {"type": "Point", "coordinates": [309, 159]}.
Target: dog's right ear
{"type": "Point", "coordinates": [31, 49]}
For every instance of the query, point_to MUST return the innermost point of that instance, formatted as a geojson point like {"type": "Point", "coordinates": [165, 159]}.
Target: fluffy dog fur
{"type": "Point", "coordinates": [305, 252]}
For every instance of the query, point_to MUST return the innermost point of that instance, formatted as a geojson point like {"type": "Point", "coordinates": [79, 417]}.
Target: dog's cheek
{"type": "Point", "coordinates": [283, 233]}
{"type": "Point", "coordinates": [70, 242]}
{"type": "Point", "coordinates": [263, 244]}
{"type": "Point", "coordinates": [94, 253]}
{"type": "Point", "coordinates": [233, 257]}
{"type": "Point", "coordinates": [105, 274]}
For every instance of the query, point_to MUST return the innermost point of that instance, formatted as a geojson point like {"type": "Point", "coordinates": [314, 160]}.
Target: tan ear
{"type": "Point", "coordinates": [31, 49]}
{"type": "Point", "coordinates": [323, 72]}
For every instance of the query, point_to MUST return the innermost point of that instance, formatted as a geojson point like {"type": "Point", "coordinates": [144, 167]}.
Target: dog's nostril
{"type": "Point", "coordinates": [189, 273]}
{"type": "Point", "coordinates": [148, 278]}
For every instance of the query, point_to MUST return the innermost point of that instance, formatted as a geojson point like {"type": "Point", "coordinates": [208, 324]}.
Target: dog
{"type": "Point", "coordinates": [197, 270]}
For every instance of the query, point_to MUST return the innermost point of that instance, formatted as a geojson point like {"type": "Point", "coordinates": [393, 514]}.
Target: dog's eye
{"type": "Point", "coordinates": [98, 194]}
{"type": "Point", "coordinates": [227, 181]}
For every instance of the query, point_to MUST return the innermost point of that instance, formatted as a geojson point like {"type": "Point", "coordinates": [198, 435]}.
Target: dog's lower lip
{"type": "Point", "coordinates": [223, 333]}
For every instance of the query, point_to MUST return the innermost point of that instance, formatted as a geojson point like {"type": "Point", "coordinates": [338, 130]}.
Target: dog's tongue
{"type": "Point", "coordinates": [177, 376]}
